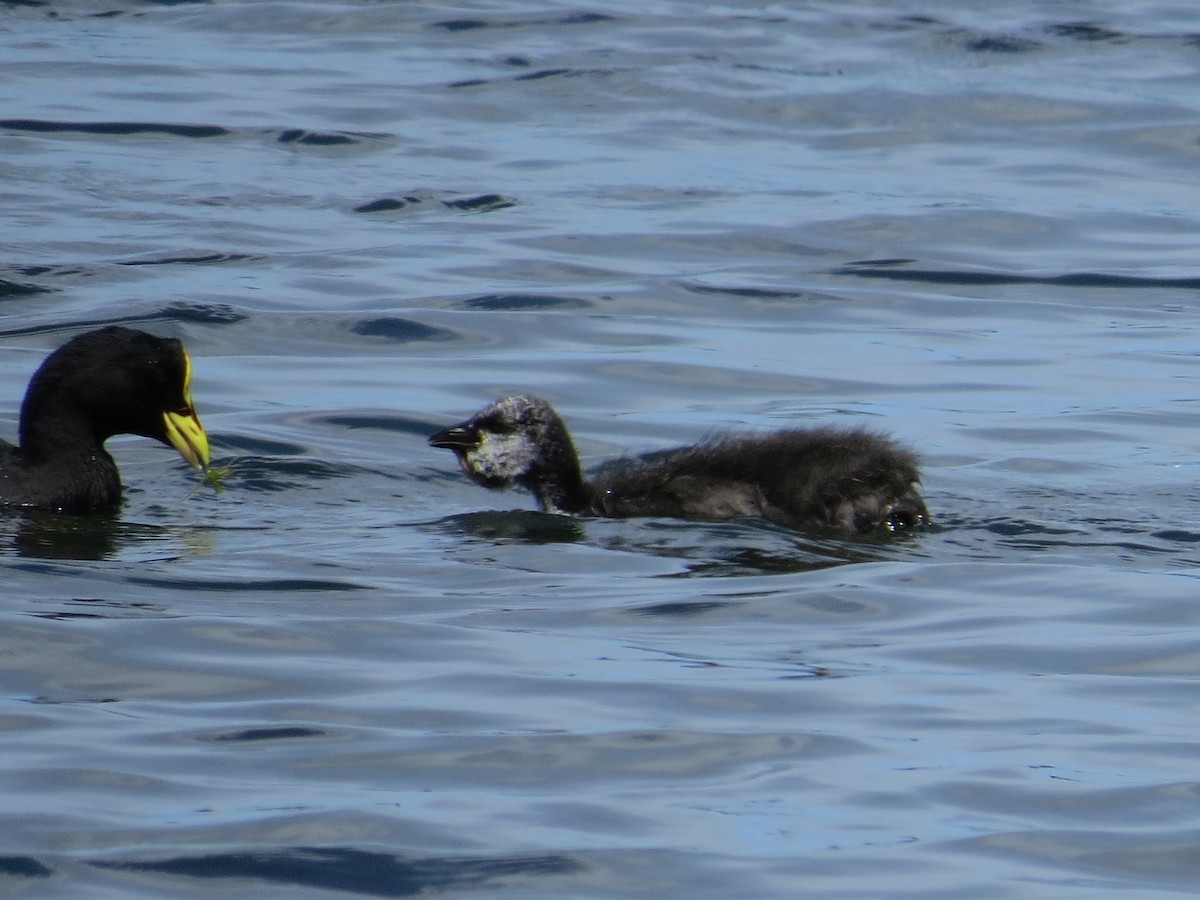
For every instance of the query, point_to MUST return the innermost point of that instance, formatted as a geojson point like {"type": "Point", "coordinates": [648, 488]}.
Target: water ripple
{"type": "Point", "coordinates": [355, 871]}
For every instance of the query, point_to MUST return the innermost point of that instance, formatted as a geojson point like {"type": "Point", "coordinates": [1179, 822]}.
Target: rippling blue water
{"type": "Point", "coordinates": [355, 673]}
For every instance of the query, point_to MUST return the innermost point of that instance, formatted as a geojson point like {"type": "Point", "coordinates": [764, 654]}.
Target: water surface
{"type": "Point", "coordinates": [356, 673]}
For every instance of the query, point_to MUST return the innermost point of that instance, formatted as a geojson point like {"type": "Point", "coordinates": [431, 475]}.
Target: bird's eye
{"type": "Point", "coordinates": [159, 377]}
{"type": "Point", "coordinates": [496, 425]}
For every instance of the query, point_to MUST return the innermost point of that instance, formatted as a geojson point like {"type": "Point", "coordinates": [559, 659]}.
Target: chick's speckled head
{"type": "Point", "coordinates": [507, 442]}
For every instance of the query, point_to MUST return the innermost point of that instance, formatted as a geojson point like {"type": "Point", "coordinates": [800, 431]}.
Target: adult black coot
{"type": "Point", "coordinates": [109, 381]}
{"type": "Point", "coordinates": [847, 480]}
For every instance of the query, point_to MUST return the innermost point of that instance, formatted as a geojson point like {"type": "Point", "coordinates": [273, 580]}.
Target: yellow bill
{"type": "Point", "coordinates": [187, 435]}
{"type": "Point", "coordinates": [183, 427]}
